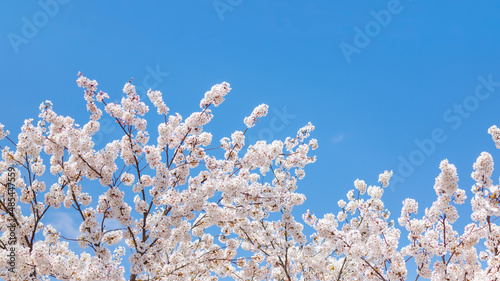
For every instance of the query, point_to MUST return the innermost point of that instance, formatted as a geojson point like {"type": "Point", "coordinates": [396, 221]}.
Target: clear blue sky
{"type": "Point", "coordinates": [372, 85]}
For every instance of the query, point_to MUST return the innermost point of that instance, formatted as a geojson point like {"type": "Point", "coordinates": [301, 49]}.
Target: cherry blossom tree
{"type": "Point", "coordinates": [204, 211]}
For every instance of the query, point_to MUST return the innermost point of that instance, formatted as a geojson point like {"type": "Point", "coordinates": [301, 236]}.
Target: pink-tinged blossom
{"type": "Point", "coordinates": [157, 99]}
{"type": "Point", "coordinates": [384, 178]}
{"type": "Point", "coordinates": [258, 112]}
{"type": "Point", "coordinates": [494, 131]}
{"type": "Point", "coordinates": [3, 133]}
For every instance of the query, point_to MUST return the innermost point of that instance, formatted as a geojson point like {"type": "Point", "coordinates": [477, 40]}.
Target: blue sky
{"type": "Point", "coordinates": [374, 77]}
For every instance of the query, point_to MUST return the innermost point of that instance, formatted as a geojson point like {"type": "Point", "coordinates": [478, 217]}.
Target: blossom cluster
{"type": "Point", "coordinates": [259, 111]}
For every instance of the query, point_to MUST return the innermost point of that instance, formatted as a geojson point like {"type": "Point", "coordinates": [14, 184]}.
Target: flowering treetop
{"type": "Point", "coordinates": [200, 215]}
